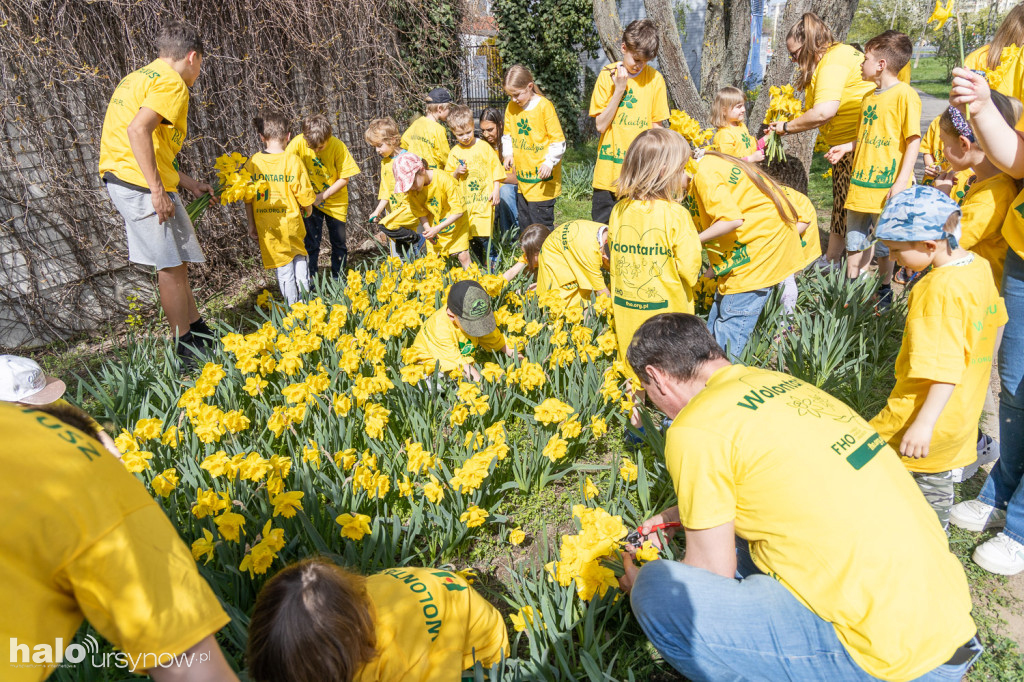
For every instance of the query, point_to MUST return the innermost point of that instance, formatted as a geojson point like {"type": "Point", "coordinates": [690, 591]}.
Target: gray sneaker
{"type": "Point", "coordinates": [977, 516]}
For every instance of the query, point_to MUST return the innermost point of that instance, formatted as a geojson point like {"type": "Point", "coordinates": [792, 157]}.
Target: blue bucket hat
{"type": "Point", "coordinates": [918, 214]}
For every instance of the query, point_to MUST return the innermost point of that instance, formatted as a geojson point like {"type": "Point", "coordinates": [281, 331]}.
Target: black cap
{"type": "Point", "coordinates": [439, 96]}
{"type": "Point", "coordinates": [468, 301]}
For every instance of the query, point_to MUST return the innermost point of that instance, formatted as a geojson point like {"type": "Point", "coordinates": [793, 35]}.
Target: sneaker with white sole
{"type": "Point", "coordinates": [1002, 554]}
{"type": "Point", "coordinates": [977, 516]}
{"type": "Point", "coordinates": [988, 451]}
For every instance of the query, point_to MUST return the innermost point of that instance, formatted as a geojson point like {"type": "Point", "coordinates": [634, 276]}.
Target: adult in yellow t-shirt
{"type": "Point", "coordinates": [572, 259]}
{"type": "Point", "coordinates": [830, 76]}
{"type": "Point", "coordinates": [143, 130]}
{"type": "Point", "coordinates": [94, 546]}
{"type": "Point", "coordinates": [453, 334]}
{"type": "Point", "coordinates": [533, 145]}
{"type": "Point", "coordinates": [752, 239]}
{"type": "Point", "coordinates": [329, 166]}
{"type": "Point", "coordinates": [838, 558]}
{"type": "Point", "coordinates": [401, 625]}
{"type": "Point", "coordinates": [633, 94]}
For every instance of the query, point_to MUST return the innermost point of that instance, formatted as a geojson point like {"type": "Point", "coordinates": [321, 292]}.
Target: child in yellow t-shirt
{"type": "Point", "coordinates": [942, 371]}
{"type": "Point", "coordinates": [275, 214]}
{"type": "Point", "coordinates": [570, 258]}
{"type": "Point", "coordinates": [452, 334]}
{"type": "Point", "coordinates": [425, 136]}
{"type": "Point", "coordinates": [329, 166]}
{"type": "Point", "coordinates": [752, 232]}
{"type": "Point", "coordinates": [931, 147]}
{"type": "Point", "coordinates": [990, 192]}
{"type": "Point", "coordinates": [400, 625]}
{"type": "Point", "coordinates": [729, 115]}
{"type": "Point", "coordinates": [654, 250]}
{"type": "Point", "coordinates": [533, 145]}
{"type": "Point", "coordinates": [884, 153]}
{"type": "Point", "coordinates": [399, 224]}
{"type": "Point", "coordinates": [629, 97]}
{"type": "Point", "coordinates": [476, 167]}
{"type": "Point", "coordinates": [436, 201]}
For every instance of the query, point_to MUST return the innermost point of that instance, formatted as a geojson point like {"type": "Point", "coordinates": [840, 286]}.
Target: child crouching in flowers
{"type": "Point", "coordinates": [316, 621]}
{"type": "Point", "coordinates": [275, 215]}
{"type": "Point", "coordinates": [450, 336]}
{"type": "Point", "coordinates": [436, 200]}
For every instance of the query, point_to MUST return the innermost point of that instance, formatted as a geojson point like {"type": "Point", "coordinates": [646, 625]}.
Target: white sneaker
{"type": "Point", "coordinates": [988, 451]}
{"type": "Point", "coordinates": [977, 516]}
{"type": "Point", "coordinates": [1002, 554]}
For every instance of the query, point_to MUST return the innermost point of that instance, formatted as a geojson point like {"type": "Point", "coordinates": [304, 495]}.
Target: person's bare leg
{"type": "Point", "coordinates": [886, 265]}
{"type": "Point", "coordinates": [464, 259]}
{"type": "Point", "coordinates": [176, 298]}
{"type": "Point", "coordinates": [836, 247]}
{"type": "Point", "coordinates": [193, 311]}
{"type": "Point", "coordinates": [857, 262]}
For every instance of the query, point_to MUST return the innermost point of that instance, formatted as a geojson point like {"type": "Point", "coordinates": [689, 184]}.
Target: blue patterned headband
{"type": "Point", "coordinates": [961, 124]}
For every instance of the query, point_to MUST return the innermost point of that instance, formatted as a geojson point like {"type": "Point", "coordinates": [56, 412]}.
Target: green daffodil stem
{"type": "Point", "coordinates": [960, 37]}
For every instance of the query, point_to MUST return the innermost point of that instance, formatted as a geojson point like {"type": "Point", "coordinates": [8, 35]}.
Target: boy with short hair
{"type": "Point", "coordinates": [425, 136]}
{"type": "Point", "coordinates": [275, 214]}
{"type": "Point", "coordinates": [436, 201]}
{"type": "Point", "coordinates": [479, 173]}
{"type": "Point", "coordinates": [452, 334]}
{"type": "Point", "coordinates": [329, 166]}
{"type": "Point", "coordinates": [942, 371]}
{"type": "Point", "coordinates": [399, 225]}
{"type": "Point", "coordinates": [888, 139]}
{"type": "Point", "coordinates": [629, 97]}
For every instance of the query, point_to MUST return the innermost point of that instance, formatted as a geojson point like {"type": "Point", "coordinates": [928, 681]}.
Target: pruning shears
{"type": "Point", "coordinates": [635, 538]}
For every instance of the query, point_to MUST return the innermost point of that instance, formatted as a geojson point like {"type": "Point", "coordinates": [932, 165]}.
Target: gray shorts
{"type": "Point", "coordinates": [860, 233]}
{"type": "Point", "coordinates": [162, 246]}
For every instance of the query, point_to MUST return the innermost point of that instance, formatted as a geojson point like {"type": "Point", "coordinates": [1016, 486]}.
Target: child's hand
{"type": "Point", "coordinates": [916, 440]}
{"type": "Point", "coordinates": [508, 163]}
{"type": "Point", "coordinates": [496, 196]}
{"type": "Point", "coordinates": [836, 154]}
{"type": "Point", "coordinates": [756, 157]}
{"type": "Point", "coordinates": [944, 181]}
{"type": "Point", "coordinates": [320, 198]}
{"type": "Point", "coordinates": [620, 79]}
{"type": "Point", "coordinates": [470, 372]}
{"type": "Point", "coordinates": [252, 232]}
{"type": "Point", "coordinates": [544, 172]}
{"type": "Point", "coordinates": [459, 171]}
{"type": "Point", "coordinates": [307, 211]}
{"type": "Point", "coordinates": [430, 232]}
{"type": "Point", "coordinates": [969, 90]}
{"type": "Point", "coordinates": [932, 171]}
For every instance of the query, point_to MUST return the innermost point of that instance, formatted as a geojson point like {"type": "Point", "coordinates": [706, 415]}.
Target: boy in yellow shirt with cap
{"type": "Point", "coordinates": [942, 371]}
{"type": "Point", "coordinates": [425, 136]}
{"type": "Point", "coordinates": [275, 214]}
{"type": "Point", "coordinates": [452, 334]}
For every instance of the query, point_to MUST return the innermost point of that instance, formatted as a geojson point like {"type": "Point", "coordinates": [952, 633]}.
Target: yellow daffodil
{"type": "Point", "coordinates": [556, 448]}
{"type": "Point", "coordinates": [163, 483]}
{"type": "Point", "coordinates": [516, 536]}
{"type": "Point", "coordinates": [136, 460]}
{"type": "Point", "coordinates": [552, 411]}
{"type": "Point", "coordinates": [941, 14]}
{"type": "Point", "coordinates": [230, 524]}
{"type": "Point", "coordinates": [287, 504]}
{"type": "Point", "coordinates": [354, 526]}
{"type": "Point", "coordinates": [204, 546]}
{"type": "Point", "coordinates": [628, 470]}
{"type": "Point", "coordinates": [648, 552]}
{"type": "Point", "coordinates": [590, 491]}
{"type": "Point", "coordinates": [147, 429]}
{"type": "Point", "coordinates": [473, 516]}
{"type": "Point", "coordinates": [598, 426]}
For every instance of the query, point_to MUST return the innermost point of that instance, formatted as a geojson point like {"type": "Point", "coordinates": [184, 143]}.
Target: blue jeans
{"type": "Point", "coordinates": [508, 212]}
{"type": "Point", "coordinates": [336, 235]}
{"type": "Point", "coordinates": [1005, 485]}
{"type": "Point", "coordinates": [713, 628]}
{"type": "Point", "coordinates": [732, 319]}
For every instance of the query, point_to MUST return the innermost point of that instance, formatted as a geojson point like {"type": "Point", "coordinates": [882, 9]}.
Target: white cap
{"type": "Point", "coordinates": [23, 381]}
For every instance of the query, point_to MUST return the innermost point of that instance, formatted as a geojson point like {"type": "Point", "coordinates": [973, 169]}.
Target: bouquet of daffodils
{"type": "Point", "coordinates": [784, 106]}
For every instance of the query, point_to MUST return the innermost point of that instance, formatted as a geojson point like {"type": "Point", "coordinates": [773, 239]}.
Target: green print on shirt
{"type": "Point", "coordinates": [605, 153]}
{"type": "Point", "coordinates": [83, 444]}
{"type": "Point", "coordinates": [628, 100]}
{"type": "Point", "coordinates": [317, 162]}
{"type": "Point", "coordinates": [420, 589]}
{"type": "Point", "coordinates": [524, 127]}
{"type": "Point", "coordinates": [737, 257]}
{"type": "Point", "coordinates": [875, 178]}
{"type": "Point", "coordinates": [474, 186]}
{"type": "Point", "coordinates": [1019, 208]}
{"type": "Point", "coordinates": [746, 140]}
{"type": "Point", "coordinates": [640, 260]}
{"type": "Point", "coordinates": [449, 581]}
{"type": "Point", "coordinates": [466, 348]}
{"type": "Point", "coordinates": [870, 114]}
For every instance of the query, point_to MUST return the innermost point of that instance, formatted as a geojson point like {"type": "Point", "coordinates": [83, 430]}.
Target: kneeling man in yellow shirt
{"type": "Point", "coordinates": [810, 552]}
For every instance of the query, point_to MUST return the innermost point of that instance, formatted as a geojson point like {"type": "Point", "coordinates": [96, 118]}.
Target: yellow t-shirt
{"type": "Point", "coordinates": [430, 626]}
{"type": "Point", "coordinates": [644, 103]}
{"type": "Point", "coordinates": [764, 250]}
{"type": "Point", "coordinates": [158, 87]}
{"type": "Point", "coordinates": [1013, 226]}
{"type": "Point", "coordinates": [1010, 84]}
{"type": "Point", "coordinates": [427, 139]}
{"type": "Point", "coordinates": [399, 213]}
{"type": "Point", "coordinates": [483, 169]}
{"type": "Point", "coordinates": [828, 511]}
{"type": "Point", "coordinates": [570, 260]}
{"type": "Point", "coordinates": [438, 200]}
{"type": "Point", "coordinates": [952, 317]}
{"type": "Point", "coordinates": [984, 209]}
{"type": "Point", "coordinates": [888, 119]}
{"type": "Point", "coordinates": [810, 240]}
{"type": "Point", "coordinates": [978, 60]}
{"type": "Point", "coordinates": [278, 209]}
{"type": "Point", "coordinates": [837, 78]}
{"type": "Point", "coordinates": [735, 140]}
{"type": "Point", "coordinates": [904, 74]}
{"type": "Point", "coordinates": [90, 544]}
{"type": "Point", "coordinates": [438, 340]}
{"type": "Point", "coordinates": [532, 132]}
{"type": "Point", "coordinates": [655, 262]}
{"type": "Point", "coordinates": [961, 184]}
{"type": "Point", "coordinates": [326, 167]}
{"type": "Point", "coordinates": [931, 143]}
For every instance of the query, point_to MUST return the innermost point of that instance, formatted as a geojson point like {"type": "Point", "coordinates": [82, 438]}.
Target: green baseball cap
{"type": "Point", "coordinates": [472, 306]}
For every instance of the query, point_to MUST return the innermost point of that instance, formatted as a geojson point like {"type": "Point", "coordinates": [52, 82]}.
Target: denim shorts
{"type": "Point", "coordinates": [860, 233]}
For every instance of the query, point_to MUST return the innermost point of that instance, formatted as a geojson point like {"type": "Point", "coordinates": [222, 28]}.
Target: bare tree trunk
{"type": "Point", "coordinates": [673, 61]}
{"type": "Point", "coordinates": [837, 15]}
{"type": "Point", "coordinates": [609, 28]}
{"type": "Point", "coordinates": [726, 46]}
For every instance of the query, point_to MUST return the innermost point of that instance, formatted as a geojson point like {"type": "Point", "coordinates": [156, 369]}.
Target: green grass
{"type": "Point", "coordinates": [931, 77]}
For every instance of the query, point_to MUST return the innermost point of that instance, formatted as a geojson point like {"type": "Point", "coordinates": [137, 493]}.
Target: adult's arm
{"type": "Point", "coordinates": [140, 137]}
{"type": "Point", "coordinates": [815, 117]}
{"type": "Point", "coordinates": [713, 549]}
{"type": "Point", "coordinates": [1002, 144]}
{"type": "Point", "coordinates": [203, 662]}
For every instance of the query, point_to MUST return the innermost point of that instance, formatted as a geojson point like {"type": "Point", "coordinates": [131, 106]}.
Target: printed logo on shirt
{"type": "Point", "coordinates": [870, 114]}
{"type": "Point", "coordinates": [420, 589]}
{"type": "Point", "coordinates": [524, 127]}
{"type": "Point", "coordinates": [449, 582]}
{"type": "Point", "coordinates": [605, 153]}
{"type": "Point", "coordinates": [628, 100]}
{"type": "Point", "coordinates": [732, 260]}
{"type": "Point", "coordinates": [639, 264]}
{"type": "Point", "coordinates": [878, 178]}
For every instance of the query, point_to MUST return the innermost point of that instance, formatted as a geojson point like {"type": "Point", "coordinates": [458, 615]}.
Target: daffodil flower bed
{"type": "Point", "coordinates": [308, 432]}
